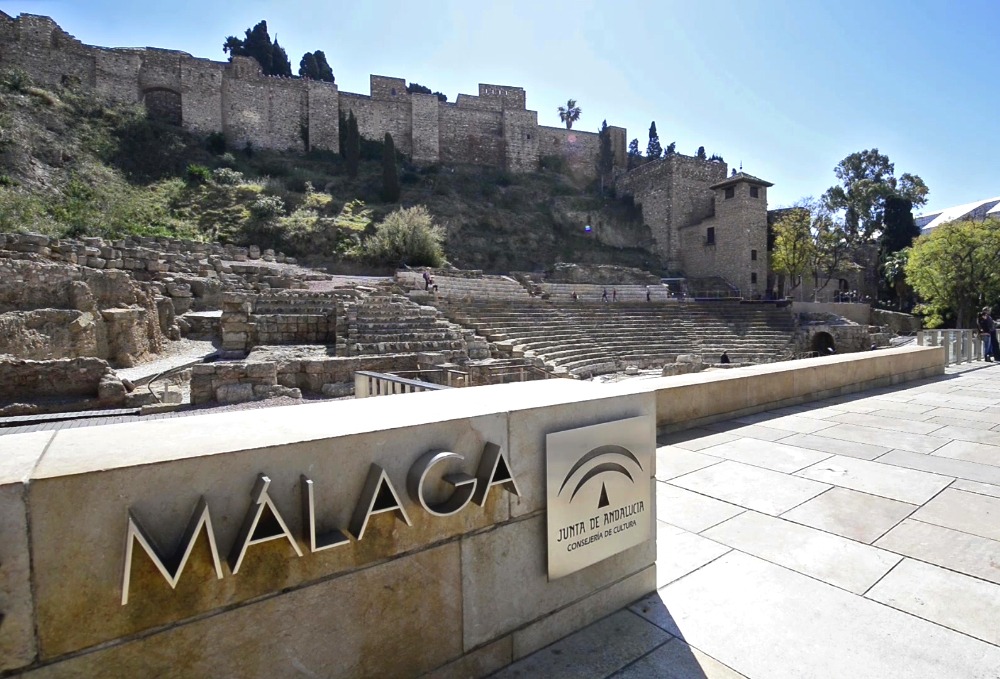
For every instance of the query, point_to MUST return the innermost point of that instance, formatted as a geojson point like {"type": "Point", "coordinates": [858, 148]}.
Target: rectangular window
{"type": "Point", "coordinates": [753, 255]}
{"type": "Point", "coordinates": [753, 279]}
{"type": "Point", "coordinates": [730, 192]}
{"type": "Point", "coordinates": [754, 192]}
{"type": "Point", "coordinates": [710, 236]}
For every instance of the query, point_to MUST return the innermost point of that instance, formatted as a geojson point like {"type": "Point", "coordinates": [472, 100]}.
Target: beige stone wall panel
{"type": "Point", "coordinates": [365, 624]}
{"type": "Point", "coordinates": [504, 579]}
{"type": "Point", "coordinates": [80, 520]}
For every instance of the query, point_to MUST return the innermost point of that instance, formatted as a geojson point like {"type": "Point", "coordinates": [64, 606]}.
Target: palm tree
{"type": "Point", "coordinates": [569, 113]}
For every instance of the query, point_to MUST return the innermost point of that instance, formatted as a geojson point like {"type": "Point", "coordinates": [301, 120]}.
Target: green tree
{"type": "Point", "coordinates": [953, 270]}
{"type": "Point", "coordinates": [315, 67]}
{"type": "Point", "coordinates": [256, 44]}
{"type": "Point", "coordinates": [633, 153]}
{"type": "Point", "coordinates": [701, 153]}
{"type": "Point", "coordinates": [415, 88]}
{"type": "Point", "coordinates": [898, 231]}
{"type": "Point", "coordinates": [670, 150]}
{"type": "Point", "coordinates": [794, 248]}
{"type": "Point", "coordinates": [605, 155]}
{"type": "Point", "coordinates": [352, 149]}
{"type": "Point", "coordinates": [570, 113]}
{"type": "Point", "coordinates": [406, 236]}
{"type": "Point", "coordinates": [867, 181]}
{"type": "Point", "coordinates": [894, 275]}
{"type": "Point", "coordinates": [653, 148]}
{"type": "Point", "coordinates": [279, 60]}
{"type": "Point", "coordinates": [390, 173]}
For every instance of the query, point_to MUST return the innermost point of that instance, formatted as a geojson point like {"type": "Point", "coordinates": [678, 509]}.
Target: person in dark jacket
{"type": "Point", "coordinates": [988, 331]}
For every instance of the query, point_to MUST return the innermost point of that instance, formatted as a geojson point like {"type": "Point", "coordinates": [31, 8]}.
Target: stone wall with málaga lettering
{"type": "Point", "coordinates": [334, 539]}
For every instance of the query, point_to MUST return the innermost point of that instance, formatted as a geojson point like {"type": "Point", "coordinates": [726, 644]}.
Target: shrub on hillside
{"type": "Point", "coordinates": [216, 143]}
{"type": "Point", "coordinates": [227, 177]}
{"type": "Point", "coordinates": [406, 236]}
{"type": "Point", "coordinates": [198, 174]}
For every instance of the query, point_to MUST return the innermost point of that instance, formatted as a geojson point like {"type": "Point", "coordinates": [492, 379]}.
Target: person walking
{"type": "Point", "coordinates": [604, 297]}
{"type": "Point", "coordinates": [648, 296]}
{"type": "Point", "coordinates": [614, 294]}
{"type": "Point", "coordinates": [988, 331]}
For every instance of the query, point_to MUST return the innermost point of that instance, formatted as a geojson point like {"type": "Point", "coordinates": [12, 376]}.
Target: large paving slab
{"type": "Point", "coordinates": [973, 415]}
{"type": "Point", "coordinates": [968, 512]}
{"type": "Point", "coordinates": [679, 552]}
{"type": "Point", "coordinates": [769, 622]}
{"type": "Point", "coordinates": [883, 422]}
{"type": "Point", "coordinates": [946, 466]}
{"type": "Point", "coordinates": [767, 454]}
{"type": "Point", "coordinates": [950, 599]}
{"type": "Point", "coordinates": [841, 562]}
{"type": "Point", "coordinates": [970, 554]}
{"type": "Point", "coordinates": [916, 443]}
{"type": "Point", "coordinates": [864, 451]}
{"type": "Point", "coordinates": [689, 510]}
{"type": "Point", "coordinates": [851, 514]}
{"type": "Point", "coordinates": [696, 439]}
{"type": "Point", "coordinates": [971, 452]}
{"type": "Point", "coordinates": [672, 461]}
{"type": "Point", "coordinates": [751, 487]}
{"type": "Point", "coordinates": [973, 434]}
{"type": "Point", "coordinates": [895, 483]}
{"type": "Point", "coordinates": [754, 431]}
{"type": "Point", "coordinates": [677, 660]}
{"type": "Point", "coordinates": [588, 653]}
{"type": "Point", "coordinates": [798, 424]}
{"type": "Point", "coordinates": [976, 487]}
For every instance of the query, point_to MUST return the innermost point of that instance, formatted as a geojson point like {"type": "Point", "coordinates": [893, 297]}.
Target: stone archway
{"type": "Point", "coordinates": [164, 105]}
{"type": "Point", "coordinates": [823, 344]}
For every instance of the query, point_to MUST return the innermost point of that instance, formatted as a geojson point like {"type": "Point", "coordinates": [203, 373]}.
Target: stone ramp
{"type": "Point", "coordinates": [852, 537]}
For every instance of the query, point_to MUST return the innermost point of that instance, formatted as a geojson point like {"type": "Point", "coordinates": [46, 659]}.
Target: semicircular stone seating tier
{"type": "Point", "coordinates": [587, 336]}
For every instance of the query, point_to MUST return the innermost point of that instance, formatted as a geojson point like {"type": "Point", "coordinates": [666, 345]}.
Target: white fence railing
{"type": "Point", "coordinates": [960, 346]}
{"type": "Point", "coordinates": [380, 384]}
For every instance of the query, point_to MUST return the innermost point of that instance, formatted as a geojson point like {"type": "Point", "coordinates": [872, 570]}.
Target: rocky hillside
{"type": "Point", "coordinates": [73, 165]}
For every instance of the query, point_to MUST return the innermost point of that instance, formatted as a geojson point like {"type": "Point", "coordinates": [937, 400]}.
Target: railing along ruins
{"type": "Point", "coordinates": [960, 346]}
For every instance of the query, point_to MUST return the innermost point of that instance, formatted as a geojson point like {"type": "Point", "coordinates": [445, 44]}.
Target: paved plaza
{"type": "Point", "coordinates": [853, 537]}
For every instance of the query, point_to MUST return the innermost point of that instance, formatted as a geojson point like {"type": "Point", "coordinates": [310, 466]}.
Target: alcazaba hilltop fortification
{"type": "Point", "coordinates": [703, 221]}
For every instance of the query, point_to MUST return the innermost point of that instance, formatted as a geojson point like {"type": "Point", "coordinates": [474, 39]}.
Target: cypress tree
{"type": "Point", "coordinates": [701, 153]}
{"type": "Point", "coordinates": [279, 61]}
{"type": "Point", "coordinates": [390, 174]}
{"type": "Point", "coordinates": [352, 154]}
{"type": "Point", "coordinates": [653, 150]}
{"type": "Point", "coordinates": [605, 157]}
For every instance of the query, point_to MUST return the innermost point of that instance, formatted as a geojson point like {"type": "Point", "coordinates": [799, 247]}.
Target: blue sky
{"type": "Point", "coordinates": [787, 87]}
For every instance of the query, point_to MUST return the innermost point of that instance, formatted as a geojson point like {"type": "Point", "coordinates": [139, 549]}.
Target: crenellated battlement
{"type": "Point", "coordinates": [493, 128]}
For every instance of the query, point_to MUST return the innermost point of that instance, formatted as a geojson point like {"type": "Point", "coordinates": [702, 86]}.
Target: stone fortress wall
{"type": "Point", "coordinates": [493, 128]}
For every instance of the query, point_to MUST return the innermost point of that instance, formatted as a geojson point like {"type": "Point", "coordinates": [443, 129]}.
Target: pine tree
{"type": "Point", "coordinates": [653, 149]}
{"type": "Point", "coordinates": [670, 150]}
{"type": "Point", "coordinates": [352, 152]}
{"type": "Point", "coordinates": [701, 153]}
{"type": "Point", "coordinates": [390, 173]}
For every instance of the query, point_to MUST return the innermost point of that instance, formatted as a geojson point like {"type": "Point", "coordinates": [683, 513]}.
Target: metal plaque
{"type": "Point", "coordinates": [598, 489]}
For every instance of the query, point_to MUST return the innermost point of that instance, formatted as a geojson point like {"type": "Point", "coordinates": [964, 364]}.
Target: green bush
{"type": "Point", "coordinates": [267, 208]}
{"type": "Point", "coordinates": [225, 176]}
{"type": "Point", "coordinates": [406, 236]}
{"type": "Point", "coordinates": [198, 174]}
{"type": "Point", "coordinates": [216, 143]}
{"type": "Point", "coordinates": [16, 80]}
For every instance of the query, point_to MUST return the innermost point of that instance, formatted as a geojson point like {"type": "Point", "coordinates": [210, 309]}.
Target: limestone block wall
{"type": "Point", "coordinates": [51, 310]}
{"type": "Point", "coordinates": [471, 135]}
{"type": "Point", "coordinates": [236, 382]}
{"type": "Point", "coordinates": [459, 595]}
{"type": "Point", "coordinates": [674, 192]}
{"type": "Point", "coordinates": [285, 317]}
{"type": "Point", "coordinates": [738, 251]}
{"type": "Point", "coordinates": [378, 116]}
{"type": "Point", "coordinates": [493, 128]}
